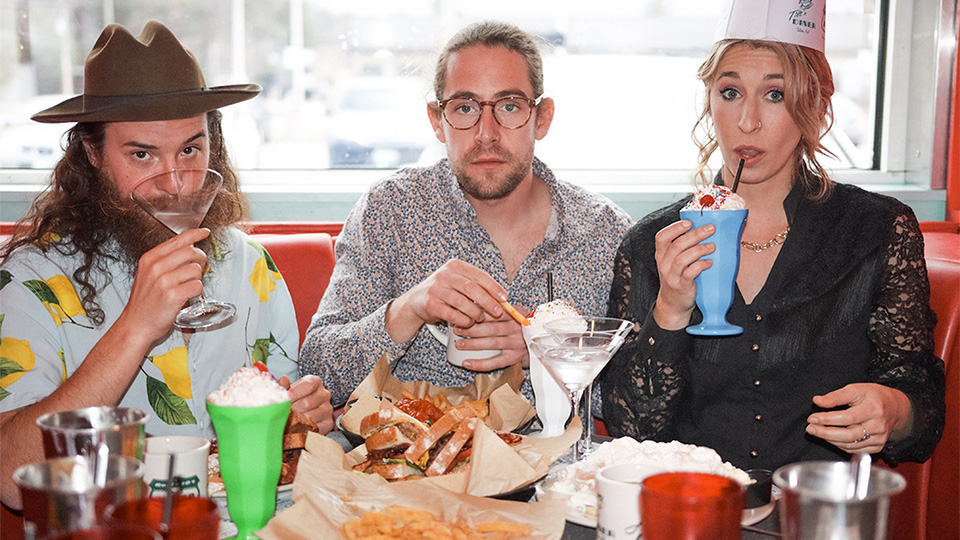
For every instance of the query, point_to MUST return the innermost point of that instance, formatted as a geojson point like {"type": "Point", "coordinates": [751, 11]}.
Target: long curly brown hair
{"type": "Point", "coordinates": [68, 215]}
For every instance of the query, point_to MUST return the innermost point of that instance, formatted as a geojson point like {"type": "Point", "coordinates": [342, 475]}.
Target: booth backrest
{"type": "Point", "coordinates": [306, 262]}
{"type": "Point", "coordinates": [942, 250]}
{"type": "Point", "coordinates": [290, 227]}
{"type": "Point", "coordinates": [929, 508]}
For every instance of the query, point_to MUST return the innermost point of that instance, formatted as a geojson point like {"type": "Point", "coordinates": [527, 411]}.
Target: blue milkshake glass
{"type": "Point", "coordinates": [716, 285]}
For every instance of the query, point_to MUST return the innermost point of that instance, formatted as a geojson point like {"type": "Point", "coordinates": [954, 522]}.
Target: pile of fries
{"type": "Point", "coordinates": [403, 523]}
{"type": "Point", "coordinates": [481, 406]}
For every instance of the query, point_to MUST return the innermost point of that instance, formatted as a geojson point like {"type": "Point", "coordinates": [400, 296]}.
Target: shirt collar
{"type": "Point", "coordinates": [540, 170]}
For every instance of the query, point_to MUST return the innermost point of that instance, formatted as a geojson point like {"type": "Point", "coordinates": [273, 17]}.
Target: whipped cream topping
{"type": "Point", "coordinates": [578, 480]}
{"type": "Point", "coordinates": [249, 387]}
{"type": "Point", "coordinates": [715, 197]}
{"type": "Point", "coordinates": [550, 311]}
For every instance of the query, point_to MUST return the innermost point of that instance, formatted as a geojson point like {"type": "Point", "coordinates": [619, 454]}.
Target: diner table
{"type": "Point", "coordinates": [573, 531]}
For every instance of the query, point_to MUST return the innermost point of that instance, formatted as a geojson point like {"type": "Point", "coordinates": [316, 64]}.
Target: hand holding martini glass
{"type": "Point", "coordinates": [179, 199]}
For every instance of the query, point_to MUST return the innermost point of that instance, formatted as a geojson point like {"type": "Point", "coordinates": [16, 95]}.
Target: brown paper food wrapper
{"type": "Point", "coordinates": [508, 408]}
{"type": "Point", "coordinates": [326, 495]}
{"type": "Point", "coordinates": [495, 467]}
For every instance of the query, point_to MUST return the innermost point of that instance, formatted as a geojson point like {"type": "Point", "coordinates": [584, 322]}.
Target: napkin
{"type": "Point", "coordinates": [552, 400]}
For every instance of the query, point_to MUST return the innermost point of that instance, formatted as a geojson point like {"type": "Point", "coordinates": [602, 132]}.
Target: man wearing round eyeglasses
{"type": "Point", "coordinates": [447, 243]}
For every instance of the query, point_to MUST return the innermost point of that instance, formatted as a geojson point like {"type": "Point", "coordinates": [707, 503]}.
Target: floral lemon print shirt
{"type": "Point", "coordinates": [45, 332]}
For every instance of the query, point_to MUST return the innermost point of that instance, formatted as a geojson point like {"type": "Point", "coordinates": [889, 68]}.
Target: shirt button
{"type": "Point", "coordinates": [759, 317]}
{"type": "Point", "coordinates": [756, 347]}
{"type": "Point", "coordinates": [756, 382]}
{"type": "Point", "coordinates": [754, 454]}
{"type": "Point", "coordinates": [758, 417]}
{"type": "Point", "coordinates": [651, 341]}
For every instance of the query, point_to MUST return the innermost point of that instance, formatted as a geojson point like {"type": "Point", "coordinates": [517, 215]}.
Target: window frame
{"type": "Point", "coordinates": [920, 42]}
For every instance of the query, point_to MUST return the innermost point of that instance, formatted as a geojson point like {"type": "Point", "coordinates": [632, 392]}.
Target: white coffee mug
{"type": "Point", "coordinates": [189, 469]}
{"type": "Point", "coordinates": [454, 355]}
{"type": "Point", "coordinates": [618, 499]}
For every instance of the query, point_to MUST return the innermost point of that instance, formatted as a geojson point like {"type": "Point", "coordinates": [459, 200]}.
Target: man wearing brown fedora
{"type": "Point", "coordinates": [91, 283]}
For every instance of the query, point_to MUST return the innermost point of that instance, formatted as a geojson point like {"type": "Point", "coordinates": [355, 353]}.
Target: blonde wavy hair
{"type": "Point", "coordinates": [808, 90]}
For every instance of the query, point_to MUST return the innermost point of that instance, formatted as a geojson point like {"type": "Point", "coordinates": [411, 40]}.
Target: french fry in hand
{"type": "Point", "coordinates": [514, 313]}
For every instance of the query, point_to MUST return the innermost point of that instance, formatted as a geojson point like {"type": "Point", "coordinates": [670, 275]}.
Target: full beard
{"type": "Point", "coordinates": [494, 188]}
{"type": "Point", "coordinates": [134, 230]}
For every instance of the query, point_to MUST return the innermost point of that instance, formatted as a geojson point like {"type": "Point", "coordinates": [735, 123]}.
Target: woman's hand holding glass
{"type": "Point", "coordinates": [678, 256]}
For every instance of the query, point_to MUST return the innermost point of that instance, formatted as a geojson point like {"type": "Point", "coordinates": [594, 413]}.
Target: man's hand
{"type": "Point", "coordinates": [875, 414]}
{"type": "Point", "coordinates": [167, 277]}
{"type": "Point", "coordinates": [504, 334]}
{"type": "Point", "coordinates": [457, 292]}
{"type": "Point", "coordinates": [312, 399]}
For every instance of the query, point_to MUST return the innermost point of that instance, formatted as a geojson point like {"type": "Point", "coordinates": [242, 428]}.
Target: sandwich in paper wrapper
{"type": "Point", "coordinates": [499, 462]}
{"type": "Point", "coordinates": [508, 409]}
{"type": "Point", "coordinates": [326, 495]}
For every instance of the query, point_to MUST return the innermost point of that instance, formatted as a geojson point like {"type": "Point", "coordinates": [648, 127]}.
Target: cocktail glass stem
{"type": "Point", "coordinates": [575, 397]}
{"type": "Point", "coordinates": [586, 437]}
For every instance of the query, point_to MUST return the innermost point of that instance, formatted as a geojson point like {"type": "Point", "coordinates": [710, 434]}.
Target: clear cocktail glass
{"type": "Point", "coordinates": [250, 442]}
{"type": "Point", "coordinates": [550, 397]}
{"type": "Point", "coordinates": [613, 331]}
{"type": "Point", "coordinates": [716, 285]}
{"type": "Point", "coordinates": [179, 199]}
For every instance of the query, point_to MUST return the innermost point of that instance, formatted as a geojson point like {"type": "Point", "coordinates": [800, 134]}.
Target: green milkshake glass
{"type": "Point", "coordinates": [250, 441]}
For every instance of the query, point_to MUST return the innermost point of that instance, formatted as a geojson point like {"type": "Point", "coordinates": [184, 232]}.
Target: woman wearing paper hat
{"type": "Point", "coordinates": [836, 354]}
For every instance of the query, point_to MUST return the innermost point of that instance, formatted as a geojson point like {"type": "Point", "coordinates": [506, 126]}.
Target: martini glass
{"type": "Point", "coordinates": [179, 199]}
{"type": "Point", "coordinates": [608, 332]}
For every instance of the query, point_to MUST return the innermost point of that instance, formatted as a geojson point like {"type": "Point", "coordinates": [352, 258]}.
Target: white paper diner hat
{"type": "Point", "coordinates": [800, 22]}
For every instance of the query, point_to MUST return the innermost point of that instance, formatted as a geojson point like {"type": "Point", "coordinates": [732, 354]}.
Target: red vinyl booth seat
{"type": "Point", "coordinates": [930, 506]}
{"type": "Point", "coordinates": [305, 261]}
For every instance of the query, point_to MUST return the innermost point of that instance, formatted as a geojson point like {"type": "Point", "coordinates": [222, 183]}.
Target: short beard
{"type": "Point", "coordinates": [514, 177]}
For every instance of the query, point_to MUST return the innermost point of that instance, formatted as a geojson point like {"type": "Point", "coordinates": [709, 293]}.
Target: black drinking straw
{"type": "Point", "coordinates": [549, 286]}
{"type": "Point", "coordinates": [736, 178]}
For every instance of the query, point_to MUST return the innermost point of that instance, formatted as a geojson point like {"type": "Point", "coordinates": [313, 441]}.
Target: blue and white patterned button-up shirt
{"type": "Point", "coordinates": [411, 223]}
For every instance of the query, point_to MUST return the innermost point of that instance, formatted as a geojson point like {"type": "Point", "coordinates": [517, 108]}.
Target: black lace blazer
{"type": "Point", "coordinates": [846, 301]}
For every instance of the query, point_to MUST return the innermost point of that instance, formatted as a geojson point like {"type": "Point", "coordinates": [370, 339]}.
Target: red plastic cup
{"type": "Point", "coordinates": [192, 518]}
{"type": "Point", "coordinates": [691, 506]}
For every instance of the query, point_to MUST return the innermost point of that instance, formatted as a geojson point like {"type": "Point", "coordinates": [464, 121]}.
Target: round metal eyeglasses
{"type": "Point", "coordinates": [512, 112]}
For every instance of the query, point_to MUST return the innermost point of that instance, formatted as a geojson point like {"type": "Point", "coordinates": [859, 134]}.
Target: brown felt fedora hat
{"type": "Point", "coordinates": [141, 79]}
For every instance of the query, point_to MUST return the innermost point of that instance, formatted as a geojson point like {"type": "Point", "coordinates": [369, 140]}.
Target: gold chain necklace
{"type": "Point", "coordinates": [775, 241]}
